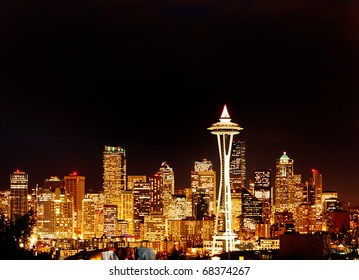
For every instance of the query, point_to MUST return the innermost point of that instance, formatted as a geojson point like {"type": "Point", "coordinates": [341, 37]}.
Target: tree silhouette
{"type": "Point", "coordinates": [15, 237]}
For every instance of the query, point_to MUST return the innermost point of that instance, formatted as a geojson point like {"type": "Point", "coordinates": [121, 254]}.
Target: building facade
{"type": "Point", "coordinates": [19, 183]}
{"type": "Point", "coordinates": [75, 186]}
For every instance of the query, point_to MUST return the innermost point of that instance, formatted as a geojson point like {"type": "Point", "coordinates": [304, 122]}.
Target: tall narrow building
{"type": "Point", "coordinates": [114, 174]}
{"type": "Point", "coordinates": [167, 185]}
{"type": "Point", "coordinates": [118, 199]}
{"type": "Point", "coordinates": [263, 191]}
{"type": "Point", "coordinates": [64, 213]}
{"type": "Point", "coordinates": [141, 202]}
{"type": "Point", "coordinates": [237, 166]}
{"type": "Point", "coordinates": [313, 193]}
{"type": "Point", "coordinates": [203, 184]}
{"type": "Point", "coordinates": [284, 194]}
{"type": "Point", "coordinates": [316, 178]}
{"type": "Point", "coordinates": [237, 177]}
{"type": "Point", "coordinates": [18, 194]}
{"type": "Point", "coordinates": [75, 186]}
{"type": "Point", "coordinates": [45, 213]}
{"type": "Point", "coordinates": [225, 130]}
{"type": "Point", "coordinates": [92, 215]}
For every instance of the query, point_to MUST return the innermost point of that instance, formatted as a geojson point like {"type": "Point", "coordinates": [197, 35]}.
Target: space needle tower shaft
{"type": "Point", "coordinates": [225, 130]}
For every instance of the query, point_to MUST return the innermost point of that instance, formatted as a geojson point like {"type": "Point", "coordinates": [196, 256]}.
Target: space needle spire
{"type": "Point", "coordinates": [225, 130]}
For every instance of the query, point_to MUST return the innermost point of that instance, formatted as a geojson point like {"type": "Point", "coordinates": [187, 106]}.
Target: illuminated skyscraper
{"type": "Point", "coordinates": [203, 184]}
{"type": "Point", "coordinates": [75, 186]}
{"type": "Point", "coordinates": [114, 174]}
{"type": "Point", "coordinates": [18, 194]}
{"type": "Point", "coordinates": [92, 215]}
{"type": "Point", "coordinates": [316, 178]}
{"type": "Point", "coordinates": [167, 186]}
{"type": "Point", "coordinates": [225, 130]}
{"type": "Point", "coordinates": [45, 213]}
{"type": "Point", "coordinates": [312, 193]}
{"type": "Point", "coordinates": [237, 177]}
{"type": "Point", "coordinates": [142, 201]}
{"type": "Point", "coordinates": [284, 184]}
{"type": "Point", "coordinates": [64, 213]}
{"type": "Point", "coordinates": [288, 193]}
{"type": "Point", "coordinates": [117, 197]}
{"type": "Point", "coordinates": [237, 166]}
{"type": "Point", "coordinates": [46, 206]}
{"type": "Point", "coordinates": [263, 191]}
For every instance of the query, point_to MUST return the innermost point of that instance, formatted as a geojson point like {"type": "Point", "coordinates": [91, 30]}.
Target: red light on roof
{"type": "Point", "coordinates": [74, 173]}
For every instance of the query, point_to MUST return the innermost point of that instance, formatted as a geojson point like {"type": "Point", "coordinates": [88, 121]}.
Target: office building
{"type": "Point", "coordinates": [203, 184]}
{"type": "Point", "coordinates": [166, 181]}
{"type": "Point", "coordinates": [64, 213]}
{"type": "Point", "coordinates": [75, 186]}
{"type": "Point", "coordinates": [18, 194]}
{"type": "Point", "coordinates": [284, 185]}
{"type": "Point", "coordinates": [237, 166]}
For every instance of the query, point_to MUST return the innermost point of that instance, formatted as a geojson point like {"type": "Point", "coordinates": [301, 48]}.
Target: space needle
{"type": "Point", "coordinates": [224, 129]}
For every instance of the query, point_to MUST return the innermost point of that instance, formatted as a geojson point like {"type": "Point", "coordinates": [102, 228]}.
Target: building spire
{"type": "Point", "coordinates": [225, 114]}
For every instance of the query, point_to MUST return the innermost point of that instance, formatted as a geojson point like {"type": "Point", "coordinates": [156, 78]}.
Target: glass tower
{"type": "Point", "coordinates": [18, 194]}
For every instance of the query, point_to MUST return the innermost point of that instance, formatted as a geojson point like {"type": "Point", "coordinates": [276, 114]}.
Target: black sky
{"type": "Point", "coordinates": [152, 76]}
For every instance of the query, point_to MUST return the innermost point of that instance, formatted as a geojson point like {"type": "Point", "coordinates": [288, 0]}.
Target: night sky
{"type": "Point", "coordinates": [152, 76]}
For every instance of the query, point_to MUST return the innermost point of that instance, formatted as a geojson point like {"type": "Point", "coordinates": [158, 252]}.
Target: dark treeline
{"type": "Point", "coordinates": [15, 237]}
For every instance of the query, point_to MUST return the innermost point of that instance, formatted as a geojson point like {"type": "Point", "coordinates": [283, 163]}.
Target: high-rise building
{"type": "Point", "coordinates": [317, 182]}
{"type": "Point", "coordinates": [18, 194]}
{"type": "Point", "coordinates": [64, 213]}
{"type": "Point", "coordinates": [114, 173]}
{"type": "Point", "coordinates": [92, 215]}
{"type": "Point", "coordinates": [203, 184]}
{"type": "Point", "coordinates": [156, 201]}
{"type": "Point", "coordinates": [284, 184]}
{"type": "Point", "coordinates": [167, 186]}
{"type": "Point", "coordinates": [237, 166]}
{"type": "Point", "coordinates": [75, 186]}
{"type": "Point", "coordinates": [114, 184]}
{"type": "Point", "coordinates": [312, 194]}
{"type": "Point", "coordinates": [142, 202]}
{"type": "Point", "coordinates": [263, 191]}
{"type": "Point", "coordinates": [225, 130]}
{"type": "Point", "coordinates": [252, 213]}
{"type": "Point", "coordinates": [238, 181]}
{"type": "Point", "coordinates": [45, 201]}
{"type": "Point", "coordinates": [125, 211]}
{"type": "Point", "coordinates": [45, 213]}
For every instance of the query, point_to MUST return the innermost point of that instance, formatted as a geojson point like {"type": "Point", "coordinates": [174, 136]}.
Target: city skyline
{"type": "Point", "coordinates": [151, 79]}
{"type": "Point", "coordinates": [216, 168]}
